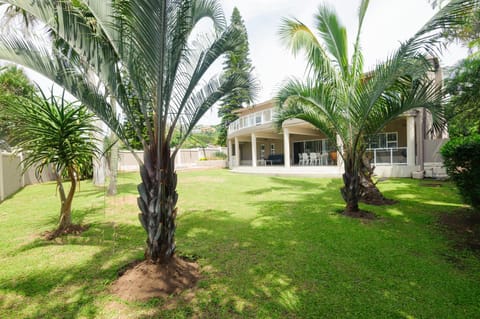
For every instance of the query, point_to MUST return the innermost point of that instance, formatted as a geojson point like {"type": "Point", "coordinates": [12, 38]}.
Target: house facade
{"type": "Point", "coordinates": [403, 149]}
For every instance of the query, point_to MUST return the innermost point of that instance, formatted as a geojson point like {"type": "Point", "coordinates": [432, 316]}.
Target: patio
{"type": "Point", "coordinates": [300, 171]}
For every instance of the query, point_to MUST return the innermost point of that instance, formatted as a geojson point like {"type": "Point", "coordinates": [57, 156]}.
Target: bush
{"type": "Point", "coordinates": [220, 155]}
{"type": "Point", "coordinates": [462, 160]}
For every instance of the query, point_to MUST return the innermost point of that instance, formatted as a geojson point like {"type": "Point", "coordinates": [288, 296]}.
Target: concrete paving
{"type": "Point", "coordinates": [300, 171]}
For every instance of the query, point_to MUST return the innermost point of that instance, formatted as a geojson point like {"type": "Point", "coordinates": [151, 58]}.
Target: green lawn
{"type": "Point", "coordinates": [269, 247]}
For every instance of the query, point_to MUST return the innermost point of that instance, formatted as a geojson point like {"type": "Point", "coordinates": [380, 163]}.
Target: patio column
{"type": "Point", "coordinates": [237, 152]}
{"type": "Point", "coordinates": [230, 151]}
{"type": "Point", "coordinates": [339, 156]}
{"type": "Point", "coordinates": [286, 147]}
{"type": "Point", "coordinates": [254, 150]}
{"type": "Point", "coordinates": [410, 141]}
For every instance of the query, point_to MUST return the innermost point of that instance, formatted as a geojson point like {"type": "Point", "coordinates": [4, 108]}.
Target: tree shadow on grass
{"type": "Point", "coordinates": [127, 189]}
{"type": "Point", "coordinates": [299, 258]}
{"type": "Point", "coordinates": [66, 284]}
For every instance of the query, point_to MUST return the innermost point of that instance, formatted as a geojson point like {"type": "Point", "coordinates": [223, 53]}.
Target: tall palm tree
{"type": "Point", "coordinates": [342, 101]}
{"type": "Point", "coordinates": [54, 133]}
{"type": "Point", "coordinates": [146, 55]}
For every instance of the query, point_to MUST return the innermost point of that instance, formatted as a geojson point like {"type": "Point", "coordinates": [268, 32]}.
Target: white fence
{"type": "Point", "coordinates": [11, 178]}
{"type": "Point", "coordinates": [186, 158]}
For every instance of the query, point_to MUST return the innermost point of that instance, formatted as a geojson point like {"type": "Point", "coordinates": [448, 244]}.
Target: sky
{"type": "Point", "coordinates": [387, 23]}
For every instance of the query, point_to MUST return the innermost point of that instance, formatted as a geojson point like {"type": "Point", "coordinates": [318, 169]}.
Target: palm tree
{"type": "Point", "coordinates": [54, 133]}
{"type": "Point", "coordinates": [342, 101]}
{"type": "Point", "coordinates": [147, 56]}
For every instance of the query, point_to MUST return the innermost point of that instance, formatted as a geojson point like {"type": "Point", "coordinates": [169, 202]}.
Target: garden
{"type": "Point", "coordinates": [267, 247]}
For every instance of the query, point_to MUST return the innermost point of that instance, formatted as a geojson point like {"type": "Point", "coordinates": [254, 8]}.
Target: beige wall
{"type": "Point", "coordinates": [11, 179]}
{"type": "Point", "coordinates": [400, 126]}
{"type": "Point", "coordinates": [432, 150]}
{"type": "Point", "coordinates": [246, 148]}
{"type": "Point", "coordinates": [256, 108]}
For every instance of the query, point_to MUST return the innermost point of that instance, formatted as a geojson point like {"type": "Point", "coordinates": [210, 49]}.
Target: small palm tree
{"type": "Point", "coordinates": [148, 57]}
{"type": "Point", "coordinates": [342, 101]}
{"type": "Point", "coordinates": [54, 133]}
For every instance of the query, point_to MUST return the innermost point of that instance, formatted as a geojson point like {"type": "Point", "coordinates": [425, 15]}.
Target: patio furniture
{"type": "Point", "coordinates": [313, 159]}
{"type": "Point", "coordinates": [274, 159]}
{"type": "Point", "coordinates": [303, 159]}
{"type": "Point", "coordinates": [324, 159]}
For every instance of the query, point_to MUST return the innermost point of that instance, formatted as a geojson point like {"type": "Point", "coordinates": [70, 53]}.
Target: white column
{"type": "Point", "coordinates": [286, 147]}
{"type": "Point", "coordinates": [254, 150]}
{"type": "Point", "coordinates": [339, 156]}
{"type": "Point", "coordinates": [230, 162]}
{"type": "Point", "coordinates": [237, 152]}
{"type": "Point", "coordinates": [410, 141]}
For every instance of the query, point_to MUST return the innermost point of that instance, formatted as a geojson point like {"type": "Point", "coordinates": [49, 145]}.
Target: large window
{"type": "Point", "coordinates": [383, 140]}
{"type": "Point", "coordinates": [316, 146]}
{"type": "Point", "coordinates": [272, 149]}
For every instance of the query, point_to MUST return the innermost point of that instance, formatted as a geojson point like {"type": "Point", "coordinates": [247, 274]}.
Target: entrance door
{"type": "Point", "coordinates": [298, 147]}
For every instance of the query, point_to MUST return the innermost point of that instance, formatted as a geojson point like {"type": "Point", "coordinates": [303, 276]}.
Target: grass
{"type": "Point", "coordinates": [269, 247]}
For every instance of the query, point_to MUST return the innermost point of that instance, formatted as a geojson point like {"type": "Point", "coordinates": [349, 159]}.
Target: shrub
{"type": "Point", "coordinates": [462, 160]}
{"type": "Point", "coordinates": [220, 155]}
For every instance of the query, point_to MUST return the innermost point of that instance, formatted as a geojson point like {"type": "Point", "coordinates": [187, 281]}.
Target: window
{"type": "Point", "coordinates": [262, 151]}
{"type": "Point", "coordinates": [258, 118]}
{"type": "Point", "coordinates": [383, 140]}
{"type": "Point", "coordinates": [267, 115]}
{"type": "Point", "coordinates": [392, 140]}
{"type": "Point", "coordinates": [272, 149]}
{"type": "Point", "coordinates": [251, 119]}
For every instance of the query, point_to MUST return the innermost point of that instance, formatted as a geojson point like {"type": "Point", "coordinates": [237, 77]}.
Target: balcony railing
{"type": "Point", "coordinates": [250, 120]}
{"type": "Point", "coordinates": [387, 156]}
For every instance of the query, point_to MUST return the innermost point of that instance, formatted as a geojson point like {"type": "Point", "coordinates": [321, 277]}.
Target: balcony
{"type": "Point", "coordinates": [251, 120]}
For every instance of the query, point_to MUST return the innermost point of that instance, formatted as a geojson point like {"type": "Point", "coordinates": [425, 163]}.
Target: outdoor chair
{"type": "Point", "coordinates": [313, 159]}
{"type": "Point", "coordinates": [303, 159]}
{"type": "Point", "coordinates": [323, 159]}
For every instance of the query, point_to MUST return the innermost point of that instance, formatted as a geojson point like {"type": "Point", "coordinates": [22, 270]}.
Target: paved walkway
{"type": "Point", "coordinates": [300, 171]}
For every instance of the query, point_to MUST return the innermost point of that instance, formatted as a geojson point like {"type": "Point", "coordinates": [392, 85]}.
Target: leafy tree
{"type": "Point", "coordinates": [463, 88]}
{"type": "Point", "coordinates": [13, 84]}
{"type": "Point", "coordinates": [237, 64]}
{"type": "Point", "coordinates": [467, 30]}
{"type": "Point", "coordinates": [54, 133]}
{"type": "Point", "coordinates": [462, 159]}
{"type": "Point", "coordinates": [342, 101]}
{"type": "Point", "coordinates": [141, 49]}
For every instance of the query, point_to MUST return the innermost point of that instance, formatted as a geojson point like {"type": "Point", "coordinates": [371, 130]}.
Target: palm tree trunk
{"type": "Point", "coordinates": [369, 192]}
{"type": "Point", "coordinates": [65, 219]}
{"type": "Point", "coordinates": [351, 189]}
{"type": "Point", "coordinates": [112, 186]}
{"type": "Point", "coordinates": [350, 192]}
{"type": "Point", "coordinates": [158, 209]}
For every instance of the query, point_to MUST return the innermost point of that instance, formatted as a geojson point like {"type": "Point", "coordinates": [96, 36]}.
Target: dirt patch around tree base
{"type": "Point", "coordinates": [74, 229]}
{"type": "Point", "coordinates": [142, 280]}
{"type": "Point", "coordinates": [463, 228]}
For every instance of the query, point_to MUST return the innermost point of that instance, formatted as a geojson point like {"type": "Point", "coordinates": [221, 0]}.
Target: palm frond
{"type": "Point", "coordinates": [356, 71]}
{"type": "Point", "coordinates": [313, 103]}
{"type": "Point", "coordinates": [53, 132]}
{"type": "Point", "coordinates": [408, 94]}
{"type": "Point", "coordinates": [334, 36]}
{"type": "Point", "coordinates": [299, 38]}
{"type": "Point", "coordinates": [186, 83]}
